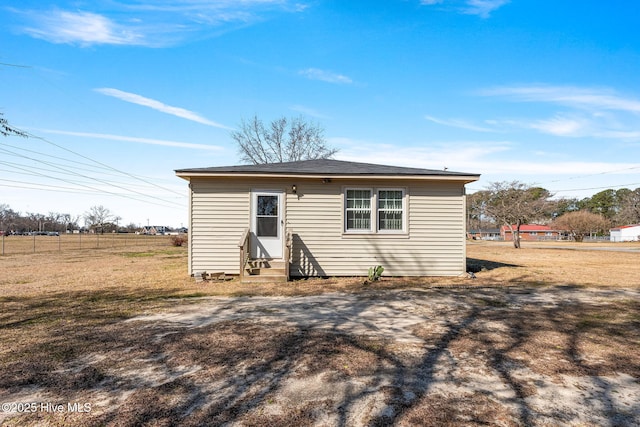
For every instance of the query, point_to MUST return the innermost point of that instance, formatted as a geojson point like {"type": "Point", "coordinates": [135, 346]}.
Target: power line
{"type": "Point", "coordinates": [588, 175]}
{"type": "Point", "coordinates": [60, 158]}
{"type": "Point", "coordinates": [599, 188]}
{"type": "Point", "coordinates": [15, 65]}
{"type": "Point", "coordinates": [46, 187]}
{"type": "Point", "coordinates": [89, 167]}
{"type": "Point", "coordinates": [58, 170]}
{"type": "Point", "coordinates": [87, 177]}
{"type": "Point", "coordinates": [99, 190]}
{"type": "Point", "coordinates": [103, 164]}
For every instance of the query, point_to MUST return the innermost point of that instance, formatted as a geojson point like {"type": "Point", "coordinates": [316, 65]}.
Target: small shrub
{"type": "Point", "coordinates": [178, 240]}
{"type": "Point", "coordinates": [375, 273]}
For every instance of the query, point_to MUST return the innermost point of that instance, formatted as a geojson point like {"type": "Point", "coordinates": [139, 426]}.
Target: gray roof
{"type": "Point", "coordinates": [326, 167]}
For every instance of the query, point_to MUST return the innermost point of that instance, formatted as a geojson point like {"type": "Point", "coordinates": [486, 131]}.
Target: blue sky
{"type": "Point", "coordinates": [118, 94]}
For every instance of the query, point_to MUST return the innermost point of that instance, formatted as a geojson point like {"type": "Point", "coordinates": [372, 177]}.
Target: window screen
{"type": "Point", "coordinates": [267, 216]}
{"type": "Point", "coordinates": [390, 210]}
{"type": "Point", "coordinates": [358, 210]}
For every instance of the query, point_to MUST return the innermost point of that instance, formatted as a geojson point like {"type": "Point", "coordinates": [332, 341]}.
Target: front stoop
{"type": "Point", "coordinates": [265, 271]}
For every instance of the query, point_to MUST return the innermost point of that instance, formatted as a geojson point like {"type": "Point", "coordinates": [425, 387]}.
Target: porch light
{"type": "Point", "coordinates": [294, 189]}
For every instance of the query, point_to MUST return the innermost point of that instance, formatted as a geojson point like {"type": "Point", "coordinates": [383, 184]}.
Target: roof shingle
{"type": "Point", "coordinates": [326, 167]}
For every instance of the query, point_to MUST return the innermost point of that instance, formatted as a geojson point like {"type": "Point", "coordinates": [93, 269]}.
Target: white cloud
{"type": "Point", "coordinates": [309, 111]}
{"type": "Point", "coordinates": [464, 156]}
{"type": "Point", "coordinates": [151, 141]}
{"type": "Point", "coordinates": [482, 8]}
{"type": "Point", "coordinates": [458, 123]}
{"type": "Point", "coordinates": [497, 160]}
{"type": "Point", "coordinates": [84, 28]}
{"type": "Point", "coordinates": [577, 97]}
{"type": "Point", "coordinates": [325, 76]}
{"type": "Point", "coordinates": [159, 106]}
{"type": "Point", "coordinates": [152, 24]}
{"type": "Point", "coordinates": [588, 112]}
{"type": "Point", "coordinates": [562, 126]}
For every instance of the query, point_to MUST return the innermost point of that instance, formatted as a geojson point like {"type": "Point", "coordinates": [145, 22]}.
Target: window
{"type": "Point", "coordinates": [387, 206]}
{"type": "Point", "coordinates": [267, 216]}
{"type": "Point", "coordinates": [358, 210]}
{"type": "Point", "coordinates": [390, 210]}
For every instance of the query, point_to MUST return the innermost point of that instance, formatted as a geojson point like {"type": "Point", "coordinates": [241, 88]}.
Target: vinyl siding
{"type": "Point", "coordinates": [432, 244]}
{"type": "Point", "coordinates": [220, 212]}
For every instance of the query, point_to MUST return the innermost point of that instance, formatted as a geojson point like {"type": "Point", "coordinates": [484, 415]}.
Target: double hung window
{"type": "Point", "coordinates": [358, 210]}
{"type": "Point", "coordinates": [390, 210]}
{"type": "Point", "coordinates": [374, 210]}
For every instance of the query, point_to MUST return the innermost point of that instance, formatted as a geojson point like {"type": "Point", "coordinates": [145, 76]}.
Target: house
{"type": "Point", "coordinates": [326, 218]}
{"type": "Point", "coordinates": [530, 232]}
{"type": "Point", "coordinates": [625, 233]}
{"type": "Point", "coordinates": [154, 230]}
{"type": "Point", "coordinates": [485, 234]}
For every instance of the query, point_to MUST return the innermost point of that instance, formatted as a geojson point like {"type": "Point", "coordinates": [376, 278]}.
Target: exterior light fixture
{"type": "Point", "coordinates": [294, 189]}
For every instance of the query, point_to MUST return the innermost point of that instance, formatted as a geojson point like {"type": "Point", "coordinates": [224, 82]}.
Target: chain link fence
{"type": "Point", "coordinates": [13, 244]}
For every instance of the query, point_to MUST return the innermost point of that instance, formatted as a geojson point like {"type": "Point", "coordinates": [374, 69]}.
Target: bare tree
{"type": "Point", "coordinates": [515, 203]}
{"type": "Point", "coordinates": [97, 217]}
{"type": "Point", "coordinates": [284, 140]}
{"type": "Point", "coordinates": [580, 224]}
{"type": "Point", "coordinates": [7, 218]}
{"type": "Point", "coordinates": [476, 211]}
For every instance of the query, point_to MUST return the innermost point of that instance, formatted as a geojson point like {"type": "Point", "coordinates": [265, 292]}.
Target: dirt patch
{"type": "Point", "coordinates": [542, 336]}
{"type": "Point", "coordinates": [510, 356]}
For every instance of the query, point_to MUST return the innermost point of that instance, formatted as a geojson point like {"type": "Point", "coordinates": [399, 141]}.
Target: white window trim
{"type": "Point", "coordinates": [374, 226]}
{"type": "Point", "coordinates": [404, 211]}
{"type": "Point", "coordinates": [372, 210]}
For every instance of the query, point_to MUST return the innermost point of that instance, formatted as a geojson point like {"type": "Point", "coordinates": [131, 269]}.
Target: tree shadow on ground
{"type": "Point", "coordinates": [165, 373]}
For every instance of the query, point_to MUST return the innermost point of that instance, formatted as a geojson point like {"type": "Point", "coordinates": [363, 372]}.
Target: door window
{"type": "Point", "coordinates": [267, 216]}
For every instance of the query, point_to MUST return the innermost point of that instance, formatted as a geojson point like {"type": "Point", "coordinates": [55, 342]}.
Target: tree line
{"type": "Point", "coordinates": [515, 203]}
{"type": "Point", "coordinates": [97, 218]}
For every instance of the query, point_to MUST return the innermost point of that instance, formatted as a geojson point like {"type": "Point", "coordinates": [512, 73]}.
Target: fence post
{"type": "Point", "coordinates": [59, 247]}
{"type": "Point", "coordinates": [2, 243]}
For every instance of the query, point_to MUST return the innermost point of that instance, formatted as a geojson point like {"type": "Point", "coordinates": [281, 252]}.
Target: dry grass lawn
{"type": "Point", "coordinates": [542, 336]}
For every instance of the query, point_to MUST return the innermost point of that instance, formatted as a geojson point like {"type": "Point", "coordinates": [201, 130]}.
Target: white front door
{"type": "Point", "coordinates": [267, 224]}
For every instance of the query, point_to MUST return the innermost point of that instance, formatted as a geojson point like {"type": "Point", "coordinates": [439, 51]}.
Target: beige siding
{"type": "Point", "coordinates": [433, 244]}
{"type": "Point", "coordinates": [219, 215]}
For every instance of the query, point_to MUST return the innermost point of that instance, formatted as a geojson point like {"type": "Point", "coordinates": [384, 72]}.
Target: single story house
{"type": "Point", "coordinates": [530, 232]}
{"type": "Point", "coordinates": [153, 230]}
{"type": "Point", "coordinates": [485, 234]}
{"type": "Point", "coordinates": [625, 233]}
{"type": "Point", "coordinates": [326, 218]}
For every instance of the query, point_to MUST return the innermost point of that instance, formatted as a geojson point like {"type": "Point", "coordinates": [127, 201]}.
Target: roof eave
{"type": "Point", "coordinates": [190, 174]}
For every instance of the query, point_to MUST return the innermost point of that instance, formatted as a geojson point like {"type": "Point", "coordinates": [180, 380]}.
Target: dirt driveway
{"type": "Point", "coordinates": [437, 356]}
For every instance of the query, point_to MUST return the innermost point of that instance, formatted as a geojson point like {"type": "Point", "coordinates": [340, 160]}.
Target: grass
{"type": "Point", "coordinates": [62, 322]}
{"type": "Point", "coordinates": [12, 245]}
